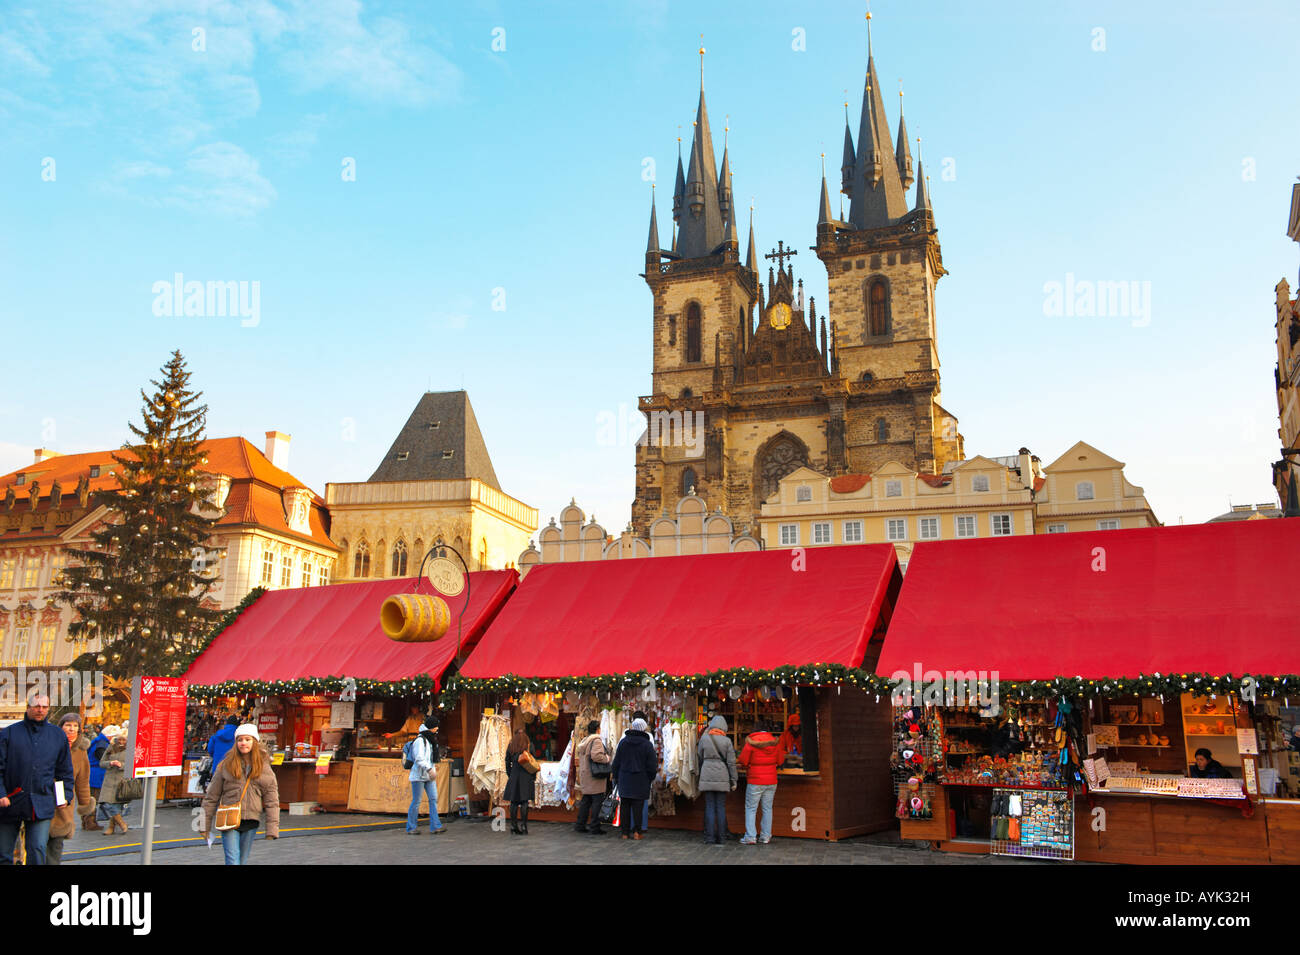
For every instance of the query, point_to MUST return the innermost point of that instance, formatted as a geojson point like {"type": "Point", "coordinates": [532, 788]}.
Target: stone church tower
{"type": "Point", "coordinates": [746, 385]}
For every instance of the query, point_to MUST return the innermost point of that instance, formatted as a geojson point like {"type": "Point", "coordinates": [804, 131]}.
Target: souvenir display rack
{"type": "Point", "coordinates": [1035, 824]}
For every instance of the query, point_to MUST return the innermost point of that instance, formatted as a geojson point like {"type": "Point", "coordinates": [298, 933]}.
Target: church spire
{"type": "Point", "coordinates": [877, 196]}
{"type": "Point", "coordinates": [922, 188]}
{"type": "Point", "coordinates": [703, 223]}
{"type": "Point", "coordinates": [679, 192]}
{"type": "Point", "coordinates": [904, 153]}
{"type": "Point", "coordinates": [849, 160]}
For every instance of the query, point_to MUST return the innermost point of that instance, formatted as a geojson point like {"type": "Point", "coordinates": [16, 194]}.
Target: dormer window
{"type": "Point", "coordinates": [435, 425]}
{"type": "Point", "coordinates": [448, 455]}
{"type": "Point", "coordinates": [94, 470]}
{"type": "Point", "coordinates": [403, 455]}
{"type": "Point", "coordinates": [20, 479]}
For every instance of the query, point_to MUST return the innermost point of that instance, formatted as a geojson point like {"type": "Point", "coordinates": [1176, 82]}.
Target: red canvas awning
{"type": "Point", "coordinates": [688, 615]}
{"type": "Point", "coordinates": [335, 631]}
{"type": "Point", "coordinates": [1204, 598]}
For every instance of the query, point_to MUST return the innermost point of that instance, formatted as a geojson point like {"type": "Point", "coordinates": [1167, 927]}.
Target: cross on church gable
{"type": "Point", "coordinates": [781, 253]}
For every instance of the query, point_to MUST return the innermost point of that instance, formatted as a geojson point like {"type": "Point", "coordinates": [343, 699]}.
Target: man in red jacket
{"type": "Point", "coordinates": [761, 756]}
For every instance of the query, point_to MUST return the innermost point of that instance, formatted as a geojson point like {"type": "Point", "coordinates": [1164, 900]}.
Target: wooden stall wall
{"type": "Point", "coordinates": [855, 734]}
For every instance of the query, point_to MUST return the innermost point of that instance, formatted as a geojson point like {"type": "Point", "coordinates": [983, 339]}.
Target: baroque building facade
{"type": "Point", "coordinates": [748, 382]}
{"type": "Point", "coordinates": [1286, 378]}
{"type": "Point", "coordinates": [271, 530]}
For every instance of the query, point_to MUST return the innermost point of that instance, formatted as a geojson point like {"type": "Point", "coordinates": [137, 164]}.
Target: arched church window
{"type": "Point", "coordinates": [882, 430]}
{"type": "Point", "coordinates": [779, 459]}
{"type": "Point", "coordinates": [399, 559]}
{"type": "Point", "coordinates": [694, 348]}
{"type": "Point", "coordinates": [689, 483]}
{"type": "Point", "coordinates": [361, 563]}
{"type": "Point", "coordinates": [878, 307]}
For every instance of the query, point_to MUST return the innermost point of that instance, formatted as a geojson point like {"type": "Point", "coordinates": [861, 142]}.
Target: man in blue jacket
{"type": "Point", "coordinates": [97, 747]}
{"type": "Point", "coordinates": [221, 741]}
{"type": "Point", "coordinates": [33, 756]}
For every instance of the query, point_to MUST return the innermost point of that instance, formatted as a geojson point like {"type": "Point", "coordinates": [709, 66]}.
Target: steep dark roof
{"type": "Point", "coordinates": [424, 446]}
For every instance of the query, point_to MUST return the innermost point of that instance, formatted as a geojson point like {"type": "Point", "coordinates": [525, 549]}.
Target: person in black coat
{"type": "Point", "coordinates": [521, 785]}
{"type": "Point", "coordinates": [635, 766]}
{"type": "Point", "coordinates": [33, 756]}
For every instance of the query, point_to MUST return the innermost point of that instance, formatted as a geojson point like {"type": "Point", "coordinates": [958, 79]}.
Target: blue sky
{"type": "Point", "coordinates": [1161, 150]}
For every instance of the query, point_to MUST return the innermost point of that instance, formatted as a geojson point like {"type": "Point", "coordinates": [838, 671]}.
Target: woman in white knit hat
{"type": "Point", "coordinates": [244, 779]}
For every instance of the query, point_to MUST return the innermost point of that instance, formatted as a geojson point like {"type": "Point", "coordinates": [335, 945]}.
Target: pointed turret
{"type": "Point", "coordinates": [724, 185]}
{"type": "Point", "coordinates": [877, 196]}
{"type": "Point", "coordinates": [824, 210]}
{"type": "Point", "coordinates": [652, 243]}
{"type": "Point", "coordinates": [850, 160]}
{"type": "Point", "coordinates": [702, 221]}
{"type": "Point", "coordinates": [922, 189]}
{"type": "Point", "coordinates": [751, 257]}
{"type": "Point", "coordinates": [902, 151]}
{"type": "Point", "coordinates": [679, 191]}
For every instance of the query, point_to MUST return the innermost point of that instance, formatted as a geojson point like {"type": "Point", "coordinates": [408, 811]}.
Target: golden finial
{"type": "Point", "coordinates": [701, 62]}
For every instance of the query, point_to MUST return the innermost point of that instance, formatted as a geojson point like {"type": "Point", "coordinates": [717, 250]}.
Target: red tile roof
{"type": "Point", "coordinates": [848, 483]}
{"type": "Point", "coordinates": [255, 494]}
{"type": "Point", "coordinates": [936, 480]}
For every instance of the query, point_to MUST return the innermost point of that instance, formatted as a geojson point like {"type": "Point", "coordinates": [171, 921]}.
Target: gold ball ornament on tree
{"type": "Point", "coordinates": [146, 632]}
{"type": "Point", "coordinates": [101, 659]}
{"type": "Point", "coordinates": [117, 598]}
{"type": "Point", "coordinates": [136, 605]}
{"type": "Point", "coordinates": [181, 613]}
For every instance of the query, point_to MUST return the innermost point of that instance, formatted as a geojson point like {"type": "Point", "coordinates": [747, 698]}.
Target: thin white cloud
{"type": "Point", "coordinates": [218, 179]}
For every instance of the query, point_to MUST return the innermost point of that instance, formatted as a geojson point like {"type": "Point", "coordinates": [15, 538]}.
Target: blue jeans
{"type": "Point", "coordinates": [754, 796]}
{"type": "Point", "coordinates": [715, 817]}
{"type": "Point", "coordinates": [237, 844]}
{"type": "Point", "coordinates": [36, 835]}
{"type": "Point", "coordinates": [430, 788]}
{"type": "Point", "coordinates": [107, 810]}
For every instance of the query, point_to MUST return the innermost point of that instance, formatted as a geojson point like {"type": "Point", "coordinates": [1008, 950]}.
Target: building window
{"type": "Point", "coordinates": [1083, 491]}
{"type": "Point", "coordinates": [966, 526]}
{"type": "Point", "coordinates": [7, 567]}
{"type": "Point", "coordinates": [694, 349]}
{"type": "Point", "coordinates": [1111, 524]}
{"type": "Point", "coordinates": [688, 481]}
{"type": "Point", "coordinates": [31, 571]}
{"type": "Point", "coordinates": [1001, 525]}
{"type": "Point", "coordinates": [286, 571]}
{"type": "Point", "coordinates": [979, 483]}
{"type": "Point", "coordinates": [789, 535]}
{"type": "Point", "coordinates": [802, 494]}
{"type": "Point", "coordinates": [361, 564]}
{"type": "Point", "coordinates": [896, 529]}
{"type": "Point", "coordinates": [878, 307]}
{"type": "Point", "coordinates": [435, 425]}
{"type": "Point", "coordinates": [893, 489]}
{"type": "Point", "coordinates": [399, 559]}
{"type": "Point", "coordinates": [1057, 528]}
{"type": "Point", "coordinates": [306, 573]}
{"type": "Point", "coordinates": [482, 553]}
{"type": "Point", "coordinates": [403, 455]}
{"type": "Point", "coordinates": [94, 470]}
{"type": "Point", "coordinates": [322, 576]}
{"type": "Point", "coordinates": [672, 330]}
{"type": "Point", "coordinates": [448, 455]}
{"type": "Point", "coordinates": [882, 430]}
{"type": "Point", "coordinates": [268, 566]}
{"type": "Point", "coordinates": [929, 528]}
{"type": "Point", "coordinates": [45, 651]}
{"type": "Point", "coordinates": [822, 532]}
{"type": "Point", "coordinates": [853, 532]}
{"type": "Point", "coordinates": [18, 650]}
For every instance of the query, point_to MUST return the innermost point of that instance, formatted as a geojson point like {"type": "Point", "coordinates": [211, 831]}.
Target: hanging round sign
{"type": "Point", "coordinates": [734, 692]}
{"type": "Point", "coordinates": [446, 576]}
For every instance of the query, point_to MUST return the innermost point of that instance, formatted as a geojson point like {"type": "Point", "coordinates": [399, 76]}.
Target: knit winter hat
{"type": "Point", "coordinates": [639, 725]}
{"type": "Point", "coordinates": [247, 729]}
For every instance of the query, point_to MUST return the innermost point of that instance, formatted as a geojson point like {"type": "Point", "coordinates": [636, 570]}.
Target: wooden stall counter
{"type": "Point", "coordinates": [299, 782]}
{"type": "Point", "coordinates": [380, 785]}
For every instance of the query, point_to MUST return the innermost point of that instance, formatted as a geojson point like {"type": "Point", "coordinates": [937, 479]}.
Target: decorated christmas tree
{"type": "Point", "coordinates": [140, 588]}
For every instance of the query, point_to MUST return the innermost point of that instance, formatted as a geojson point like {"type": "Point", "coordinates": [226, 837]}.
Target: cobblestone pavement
{"type": "Point", "coordinates": [354, 839]}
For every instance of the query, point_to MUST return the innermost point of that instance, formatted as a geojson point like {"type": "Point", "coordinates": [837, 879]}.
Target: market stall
{"type": "Point", "coordinates": [333, 697]}
{"type": "Point", "coordinates": [758, 636]}
{"type": "Point", "coordinates": [1128, 701]}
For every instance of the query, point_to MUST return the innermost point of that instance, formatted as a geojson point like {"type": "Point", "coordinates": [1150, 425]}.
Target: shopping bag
{"type": "Point", "coordinates": [609, 809]}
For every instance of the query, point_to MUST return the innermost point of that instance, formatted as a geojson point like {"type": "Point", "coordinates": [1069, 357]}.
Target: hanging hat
{"type": "Point", "coordinates": [247, 729]}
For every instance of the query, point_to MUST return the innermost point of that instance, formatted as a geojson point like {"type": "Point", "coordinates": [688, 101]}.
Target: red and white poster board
{"type": "Point", "coordinates": [156, 739]}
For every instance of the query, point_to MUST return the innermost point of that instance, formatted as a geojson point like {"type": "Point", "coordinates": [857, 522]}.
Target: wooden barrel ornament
{"type": "Point", "coordinates": [415, 618]}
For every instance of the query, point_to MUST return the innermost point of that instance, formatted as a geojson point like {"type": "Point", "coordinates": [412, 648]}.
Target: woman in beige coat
{"type": "Point", "coordinates": [65, 816]}
{"type": "Point", "coordinates": [591, 750]}
{"type": "Point", "coordinates": [244, 778]}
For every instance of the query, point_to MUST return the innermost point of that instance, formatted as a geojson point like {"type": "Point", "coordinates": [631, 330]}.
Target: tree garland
{"type": "Point", "coordinates": [422, 684]}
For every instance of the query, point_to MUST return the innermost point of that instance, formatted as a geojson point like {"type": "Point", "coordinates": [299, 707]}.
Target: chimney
{"type": "Point", "coordinates": [44, 454]}
{"type": "Point", "coordinates": [277, 449]}
{"type": "Point", "coordinates": [1026, 467]}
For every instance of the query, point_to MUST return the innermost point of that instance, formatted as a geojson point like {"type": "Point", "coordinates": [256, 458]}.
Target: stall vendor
{"type": "Point", "coordinates": [792, 739]}
{"type": "Point", "coordinates": [414, 723]}
{"type": "Point", "coordinates": [1207, 767]}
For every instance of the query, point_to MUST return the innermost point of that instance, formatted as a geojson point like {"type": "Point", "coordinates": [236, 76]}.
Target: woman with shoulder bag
{"type": "Point", "coordinates": [117, 791]}
{"type": "Point", "coordinates": [243, 788]}
{"type": "Point", "coordinates": [521, 784]}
